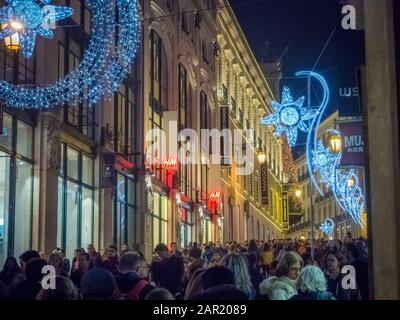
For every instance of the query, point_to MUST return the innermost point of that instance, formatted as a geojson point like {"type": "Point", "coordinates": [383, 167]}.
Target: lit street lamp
{"type": "Point", "coordinates": [13, 42]}
{"type": "Point", "coordinates": [261, 157]}
{"type": "Point", "coordinates": [336, 144]}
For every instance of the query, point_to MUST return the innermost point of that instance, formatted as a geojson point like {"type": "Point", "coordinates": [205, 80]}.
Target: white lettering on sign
{"type": "Point", "coordinates": [354, 143]}
{"type": "Point", "coordinates": [348, 92]}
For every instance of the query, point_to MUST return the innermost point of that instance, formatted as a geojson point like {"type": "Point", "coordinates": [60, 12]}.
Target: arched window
{"type": "Point", "coordinates": [204, 51]}
{"type": "Point", "coordinates": [158, 88]}
{"type": "Point", "coordinates": [159, 70]}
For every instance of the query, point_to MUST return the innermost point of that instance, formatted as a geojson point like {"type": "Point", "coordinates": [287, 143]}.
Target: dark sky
{"type": "Point", "coordinates": [302, 26]}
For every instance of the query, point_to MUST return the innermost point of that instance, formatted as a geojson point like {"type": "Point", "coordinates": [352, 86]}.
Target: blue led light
{"type": "Point", "coordinates": [327, 227]}
{"type": "Point", "coordinates": [31, 17]}
{"type": "Point", "coordinates": [104, 65]}
{"type": "Point", "coordinates": [289, 116]}
{"type": "Point", "coordinates": [322, 162]}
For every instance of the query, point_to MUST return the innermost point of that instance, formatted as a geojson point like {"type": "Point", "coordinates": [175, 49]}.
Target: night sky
{"type": "Point", "coordinates": [303, 27]}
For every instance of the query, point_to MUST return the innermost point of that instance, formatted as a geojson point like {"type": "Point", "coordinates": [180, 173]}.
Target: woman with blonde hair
{"type": "Point", "coordinates": [312, 285]}
{"type": "Point", "coordinates": [282, 286]}
{"type": "Point", "coordinates": [238, 266]}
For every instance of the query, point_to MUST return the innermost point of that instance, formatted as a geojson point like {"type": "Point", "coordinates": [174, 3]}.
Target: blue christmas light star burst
{"type": "Point", "coordinates": [289, 116]}
{"type": "Point", "coordinates": [30, 18]}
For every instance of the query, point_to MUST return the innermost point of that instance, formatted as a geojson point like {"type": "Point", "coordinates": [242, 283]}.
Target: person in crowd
{"type": "Point", "coordinates": [143, 269]}
{"type": "Point", "coordinates": [360, 264]}
{"type": "Point", "coordinates": [195, 285]}
{"type": "Point", "coordinates": [26, 257]}
{"type": "Point", "coordinates": [255, 275]}
{"type": "Point", "coordinates": [282, 286]}
{"type": "Point", "coordinates": [11, 274]}
{"type": "Point", "coordinates": [111, 263]}
{"type": "Point", "coordinates": [194, 266]}
{"type": "Point", "coordinates": [66, 262]}
{"type": "Point", "coordinates": [185, 254]}
{"type": "Point", "coordinates": [307, 259]}
{"type": "Point", "coordinates": [266, 258]}
{"type": "Point", "coordinates": [283, 250]}
{"type": "Point", "coordinates": [252, 248]}
{"type": "Point", "coordinates": [64, 290]}
{"type": "Point", "coordinates": [195, 251]}
{"type": "Point", "coordinates": [96, 260]}
{"type": "Point", "coordinates": [42, 255]}
{"type": "Point", "coordinates": [130, 285]}
{"type": "Point", "coordinates": [219, 284]}
{"type": "Point", "coordinates": [56, 261]}
{"type": "Point", "coordinates": [98, 284]}
{"type": "Point", "coordinates": [174, 248]}
{"type": "Point", "coordinates": [124, 247]}
{"type": "Point", "coordinates": [333, 263]}
{"type": "Point", "coordinates": [83, 267]}
{"type": "Point", "coordinates": [30, 287]}
{"type": "Point", "coordinates": [160, 294]}
{"type": "Point", "coordinates": [311, 285]}
{"type": "Point", "coordinates": [217, 258]}
{"type": "Point", "coordinates": [240, 270]}
{"type": "Point", "coordinates": [168, 271]}
{"type": "Point", "coordinates": [74, 264]}
{"type": "Point", "coordinates": [207, 254]}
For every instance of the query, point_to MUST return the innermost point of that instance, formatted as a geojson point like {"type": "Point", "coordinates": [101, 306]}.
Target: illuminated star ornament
{"type": "Point", "coordinates": [327, 227]}
{"type": "Point", "coordinates": [30, 18]}
{"type": "Point", "coordinates": [289, 116]}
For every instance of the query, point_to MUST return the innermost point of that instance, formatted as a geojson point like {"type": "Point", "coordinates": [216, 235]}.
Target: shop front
{"type": "Point", "coordinates": [77, 200]}
{"type": "Point", "coordinates": [16, 186]}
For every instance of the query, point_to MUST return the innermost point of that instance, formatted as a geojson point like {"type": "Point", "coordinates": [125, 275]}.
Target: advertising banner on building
{"type": "Point", "coordinates": [224, 124]}
{"type": "Point", "coordinates": [285, 211]}
{"type": "Point", "coordinates": [352, 144]}
{"type": "Point", "coordinates": [264, 184]}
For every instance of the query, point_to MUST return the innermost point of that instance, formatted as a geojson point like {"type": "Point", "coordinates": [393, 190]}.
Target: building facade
{"type": "Point", "coordinates": [85, 173]}
{"type": "Point", "coordinates": [243, 89]}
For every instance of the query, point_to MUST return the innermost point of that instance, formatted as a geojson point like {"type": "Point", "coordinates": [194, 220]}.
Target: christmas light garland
{"type": "Point", "coordinates": [104, 64]}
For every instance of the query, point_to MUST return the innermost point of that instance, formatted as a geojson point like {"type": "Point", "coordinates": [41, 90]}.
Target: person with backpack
{"type": "Point", "coordinates": [130, 285]}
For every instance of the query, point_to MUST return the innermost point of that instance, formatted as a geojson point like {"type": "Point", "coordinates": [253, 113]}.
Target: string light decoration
{"type": "Point", "coordinates": [327, 227]}
{"type": "Point", "coordinates": [322, 162]}
{"type": "Point", "coordinates": [104, 65]}
{"type": "Point", "coordinates": [30, 18]}
{"type": "Point", "coordinates": [289, 116]}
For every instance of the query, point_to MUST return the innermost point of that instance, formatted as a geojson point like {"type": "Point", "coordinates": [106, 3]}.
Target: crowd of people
{"type": "Point", "coordinates": [251, 270]}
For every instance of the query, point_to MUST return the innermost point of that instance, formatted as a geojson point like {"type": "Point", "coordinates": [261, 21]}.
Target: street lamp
{"type": "Point", "coordinates": [13, 42]}
{"type": "Point", "coordinates": [261, 157]}
{"type": "Point", "coordinates": [336, 144]}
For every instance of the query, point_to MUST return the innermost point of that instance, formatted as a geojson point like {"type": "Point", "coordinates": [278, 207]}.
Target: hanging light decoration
{"type": "Point", "coordinates": [104, 64]}
{"type": "Point", "coordinates": [322, 161]}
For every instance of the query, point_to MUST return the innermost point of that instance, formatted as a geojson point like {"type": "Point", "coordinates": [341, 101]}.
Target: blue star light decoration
{"type": "Point", "coordinates": [289, 116]}
{"type": "Point", "coordinates": [30, 18]}
{"type": "Point", "coordinates": [107, 60]}
{"type": "Point", "coordinates": [327, 227]}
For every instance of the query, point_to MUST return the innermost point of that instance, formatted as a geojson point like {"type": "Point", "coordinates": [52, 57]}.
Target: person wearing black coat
{"type": "Point", "coordinates": [219, 285]}
{"type": "Point", "coordinates": [28, 289]}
